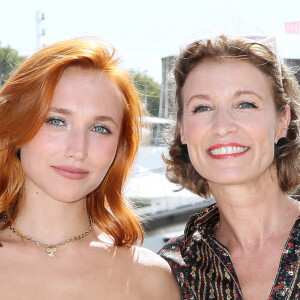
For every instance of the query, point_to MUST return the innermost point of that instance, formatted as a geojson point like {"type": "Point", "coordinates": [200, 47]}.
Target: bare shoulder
{"type": "Point", "coordinates": [148, 258]}
{"type": "Point", "coordinates": [155, 274]}
{"type": "Point", "coordinates": [145, 274]}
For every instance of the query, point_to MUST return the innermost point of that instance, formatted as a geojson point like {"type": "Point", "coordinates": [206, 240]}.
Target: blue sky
{"type": "Point", "coordinates": [144, 31]}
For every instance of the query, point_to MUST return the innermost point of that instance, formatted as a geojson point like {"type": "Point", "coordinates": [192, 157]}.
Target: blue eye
{"type": "Point", "coordinates": [55, 122]}
{"type": "Point", "coordinates": [247, 105]}
{"type": "Point", "coordinates": [201, 108]}
{"type": "Point", "coordinates": [101, 129]}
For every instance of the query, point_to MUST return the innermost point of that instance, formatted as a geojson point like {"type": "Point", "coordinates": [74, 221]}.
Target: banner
{"type": "Point", "coordinates": [292, 27]}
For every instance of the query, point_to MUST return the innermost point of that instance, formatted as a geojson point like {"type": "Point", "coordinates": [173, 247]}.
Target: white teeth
{"type": "Point", "coordinates": [228, 150]}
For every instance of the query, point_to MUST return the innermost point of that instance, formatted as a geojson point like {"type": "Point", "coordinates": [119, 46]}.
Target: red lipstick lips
{"type": "Point", "coordinates": [225, 151]}
{"type": "Point", "coordinates": [71, 172]}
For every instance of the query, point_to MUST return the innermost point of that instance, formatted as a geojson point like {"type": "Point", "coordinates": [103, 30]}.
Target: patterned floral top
{"type": "Point", "coordinates": [204, 269]}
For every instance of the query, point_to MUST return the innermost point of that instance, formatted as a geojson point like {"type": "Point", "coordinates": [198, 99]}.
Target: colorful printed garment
{"type": "Point", "coordinates": [204, 270]}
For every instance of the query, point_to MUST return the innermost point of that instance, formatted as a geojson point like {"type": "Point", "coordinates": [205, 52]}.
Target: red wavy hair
{"type": "Point", "coordinates": [24, 103]}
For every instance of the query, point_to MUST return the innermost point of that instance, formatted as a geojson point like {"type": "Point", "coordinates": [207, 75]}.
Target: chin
{"type": "Point", "coordinates": [226, 182]}
{"type": "Point", "coordinates": [228, 178]}
{"type": "Point", "coordinates": [68, 196]}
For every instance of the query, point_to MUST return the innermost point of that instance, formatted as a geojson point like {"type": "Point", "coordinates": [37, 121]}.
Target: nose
{"type": "Point", "coordinates": [77, 144]}
{"type": "Point", "coordinates": [224, 122]}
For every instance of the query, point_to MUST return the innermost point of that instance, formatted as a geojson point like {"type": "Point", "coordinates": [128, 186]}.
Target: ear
{"type": "Point", "coordinates": [182, 134]}
{"type": "Point", "coordinates": [284, 122]}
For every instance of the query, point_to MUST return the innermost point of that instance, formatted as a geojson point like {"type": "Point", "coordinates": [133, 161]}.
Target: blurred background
{"type": "Point", "coordinates": [148, 36]}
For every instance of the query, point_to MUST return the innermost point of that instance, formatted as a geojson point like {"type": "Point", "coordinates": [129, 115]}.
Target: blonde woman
{"type": "Point", "coordinates": [237, 139]}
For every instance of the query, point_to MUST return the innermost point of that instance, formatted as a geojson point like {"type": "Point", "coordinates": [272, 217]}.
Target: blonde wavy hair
{"type": "Point", "coordinates": [285, 90]}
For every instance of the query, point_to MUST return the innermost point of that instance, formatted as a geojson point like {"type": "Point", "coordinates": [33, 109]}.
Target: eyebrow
{"type": "Point", "coordinates": [199, 96]}
{"type": "Point", "coordinates": [68, 112]}
{"type": "Point", "coordinates": [61, 110]}
{"type": "Point", "coordinates": [247, 92]}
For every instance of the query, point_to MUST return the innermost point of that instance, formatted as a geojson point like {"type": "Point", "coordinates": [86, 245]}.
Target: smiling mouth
{"type": "Point", "coordinates": [228, 150]}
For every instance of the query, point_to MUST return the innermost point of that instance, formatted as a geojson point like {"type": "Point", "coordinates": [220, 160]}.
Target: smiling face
{"type": "Point", "coordinates": [73, 150]}
{"type": "Point", "coordinates": [229, 121]}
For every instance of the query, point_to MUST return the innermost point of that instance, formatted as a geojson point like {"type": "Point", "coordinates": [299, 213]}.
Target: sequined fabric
{"type": "Point", "coordinates": [204, 269]}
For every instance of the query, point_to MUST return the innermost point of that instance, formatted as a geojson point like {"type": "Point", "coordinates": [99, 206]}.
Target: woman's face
{"type": "Point", "coordinates": [229, 122]}
{"type": "Point", "coordinates": [73, 150]}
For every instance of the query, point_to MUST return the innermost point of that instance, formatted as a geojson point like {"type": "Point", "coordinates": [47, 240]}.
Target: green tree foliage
{"type": "Point", "coordinates": [149, 91]}
{"type": "Point", "coordinates": [9, 61]}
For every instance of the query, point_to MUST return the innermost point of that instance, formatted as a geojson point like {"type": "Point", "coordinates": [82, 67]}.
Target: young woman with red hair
{"type": "Point", "coordinates": [70, 122]}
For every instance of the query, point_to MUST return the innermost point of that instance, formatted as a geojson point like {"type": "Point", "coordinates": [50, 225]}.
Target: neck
{"type": "Point", "coordinates": [250, 214]}
{"type": "Point", "coordinates": [52, 221]}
